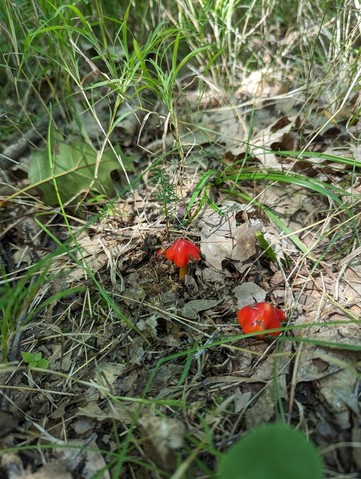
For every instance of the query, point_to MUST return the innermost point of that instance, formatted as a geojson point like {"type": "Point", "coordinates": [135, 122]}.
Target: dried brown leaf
{"type": "Point", "coordinates": [162, 437]}
{"type": "Point", "coordinates": [248, 293]}
{"type": "Point", "coordinates": [223, 239]}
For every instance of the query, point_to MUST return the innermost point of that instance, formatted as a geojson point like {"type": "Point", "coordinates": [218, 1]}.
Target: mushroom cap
{"type": "Point", "coordinates": [181, 251]}
{"type": "Point", "coordinates": [260, 317]}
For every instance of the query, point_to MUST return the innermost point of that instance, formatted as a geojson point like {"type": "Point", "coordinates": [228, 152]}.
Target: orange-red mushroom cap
{"type": "Point", "coordinates": [260, 317]}
{"type": "Point", "coordinates": [182, 251]}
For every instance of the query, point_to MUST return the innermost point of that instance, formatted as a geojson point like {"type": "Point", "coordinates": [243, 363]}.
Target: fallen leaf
{"type": "Point", "coordinates": [192, 309]}
{"type": "Point", "coordinates": [223, 239]}
{"type": "Point", "coordinates": [162, 437]}
{"type": "Point", "coordinates": [248, 293]}
{"type": "Point", "coordinates": [262, 410]}
{"type": "Point", "coordinates": [148, 326]}
{"type": "Point", "coordinates": [115, 411]}
{"type": "Point", "coordinates": [84, 456]}
{"type": "Point", "coordinates": [106, 373]}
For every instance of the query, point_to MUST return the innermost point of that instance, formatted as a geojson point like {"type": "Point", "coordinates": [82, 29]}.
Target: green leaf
{"type": "Point", "coordinates": [72, 169]}
{"type": "Point", "coordinates": [27, 357]}
{"type": "Point", "coordinates": [273, 451]}
{"type": "Point", "coordinates": [38, 356]}
{"type": "Point", "coordinates": [43, 363]}
{"type": "Point", "coordinates": [267, 248]}
{"type": "Point", "coordinates": [35, 360]}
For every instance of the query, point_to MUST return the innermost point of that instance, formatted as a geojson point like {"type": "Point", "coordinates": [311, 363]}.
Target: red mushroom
{"type": "Point", "coordinates": [181, 252]}
{"type": "Point", "coordinates": [260, 317]}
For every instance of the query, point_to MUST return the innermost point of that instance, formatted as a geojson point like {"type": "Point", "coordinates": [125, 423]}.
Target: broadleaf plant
{"type": "Point", "coordinates": [272, 451]}
{"type": "Point", "coordinates": [35, 360]}
{"type": "Point", "coordinates": [69, 170]}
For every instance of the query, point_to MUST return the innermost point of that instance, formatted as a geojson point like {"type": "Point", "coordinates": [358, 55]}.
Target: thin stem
{"type": "Point", "coordinates": [183, 270]}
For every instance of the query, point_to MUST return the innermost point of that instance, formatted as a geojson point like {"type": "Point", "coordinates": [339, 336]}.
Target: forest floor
{"type": "Point", "coordinates": [139, 361]}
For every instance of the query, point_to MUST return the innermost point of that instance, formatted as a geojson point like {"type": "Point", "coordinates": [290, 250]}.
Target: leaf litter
{"type": "Point", "coordinates": [103, 376]}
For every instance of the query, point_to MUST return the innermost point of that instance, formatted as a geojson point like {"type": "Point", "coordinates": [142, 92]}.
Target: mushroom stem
{"type": "Point", "coordinates": [183, 270]}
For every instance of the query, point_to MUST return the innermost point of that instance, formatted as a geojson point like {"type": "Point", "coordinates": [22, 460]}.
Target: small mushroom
{"type": "Point", "coordinates": [261, 317]}
{"type": "Point", "coordinates": [181, 252]}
